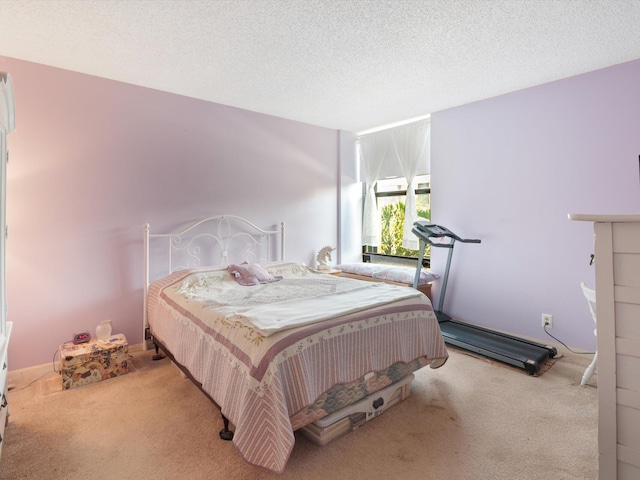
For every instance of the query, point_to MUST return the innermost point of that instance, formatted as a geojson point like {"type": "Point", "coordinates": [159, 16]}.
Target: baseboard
{"type": "Point", "coordinates": [24, 376]}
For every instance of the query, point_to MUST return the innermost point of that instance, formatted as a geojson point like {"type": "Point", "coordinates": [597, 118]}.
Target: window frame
{"type": "Point", "coordinates": [369, 251]}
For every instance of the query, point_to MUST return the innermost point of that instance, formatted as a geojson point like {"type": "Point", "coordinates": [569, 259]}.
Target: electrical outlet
{"type": "Point", "coordinates": [547, 320]}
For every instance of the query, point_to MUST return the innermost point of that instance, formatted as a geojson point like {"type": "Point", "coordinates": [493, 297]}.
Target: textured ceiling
{"type": "Point", "coordinates": [341, 64]}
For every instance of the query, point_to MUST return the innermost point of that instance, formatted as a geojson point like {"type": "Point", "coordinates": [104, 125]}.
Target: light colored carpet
{"type": "Point", "coordinates": [470, 419]}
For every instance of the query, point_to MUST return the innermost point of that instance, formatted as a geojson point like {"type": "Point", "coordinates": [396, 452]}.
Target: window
{"type": "Point", "coordinates": [386, 157]}
{"type": "Point", "coordinates": [390, 195]}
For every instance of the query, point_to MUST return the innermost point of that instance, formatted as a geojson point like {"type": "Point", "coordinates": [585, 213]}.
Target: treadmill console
{"type": "Point", "coordinates": [425, 231]}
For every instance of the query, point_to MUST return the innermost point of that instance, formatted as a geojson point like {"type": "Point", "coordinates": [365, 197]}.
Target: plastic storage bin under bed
{"type": "Point", "coordinates": [357, 414]}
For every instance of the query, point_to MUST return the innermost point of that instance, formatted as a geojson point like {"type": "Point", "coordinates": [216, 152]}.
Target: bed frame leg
{"type": "Point", "coordinates": [158, 355]}
{"type": "Point", "coordinates": [225, 433]}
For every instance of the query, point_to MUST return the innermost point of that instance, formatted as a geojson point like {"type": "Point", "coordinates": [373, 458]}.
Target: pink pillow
{"type": "Point", "coordinates": [251, 274]}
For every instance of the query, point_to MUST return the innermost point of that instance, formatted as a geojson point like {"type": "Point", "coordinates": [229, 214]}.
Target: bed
{"type": "Point", "coordinates": [270, 341]}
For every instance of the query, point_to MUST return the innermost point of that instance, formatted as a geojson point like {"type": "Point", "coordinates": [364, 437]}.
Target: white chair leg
{"type": "Point", "coordinates": [589, 370]}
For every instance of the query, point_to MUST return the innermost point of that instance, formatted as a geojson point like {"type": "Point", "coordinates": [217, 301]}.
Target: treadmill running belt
{"type": "Point", "coordinates": [511, 350]}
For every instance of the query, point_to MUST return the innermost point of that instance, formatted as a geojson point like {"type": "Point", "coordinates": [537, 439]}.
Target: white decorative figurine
{"type": "Point", "coordinates": [323, 257]}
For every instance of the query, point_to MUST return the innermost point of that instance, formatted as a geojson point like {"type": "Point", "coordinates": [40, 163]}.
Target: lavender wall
{"type": "Point", "coordinates": [93, 160]}
{"type": "Point", "coordinates": [508, 170]}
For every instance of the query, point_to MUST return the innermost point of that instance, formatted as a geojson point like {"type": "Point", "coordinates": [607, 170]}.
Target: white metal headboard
{"type": "Point", "coordinates": [234, 239]}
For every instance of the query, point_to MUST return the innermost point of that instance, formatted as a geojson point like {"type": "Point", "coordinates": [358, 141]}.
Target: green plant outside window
{"type": "Point", "coordinates": [392, 226]}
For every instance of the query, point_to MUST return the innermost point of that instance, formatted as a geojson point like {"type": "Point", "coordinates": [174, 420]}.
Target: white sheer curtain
{"type": "Point", "coordinates": [375, 148]}
{"type": "Point", "coordinates": [412, 149]}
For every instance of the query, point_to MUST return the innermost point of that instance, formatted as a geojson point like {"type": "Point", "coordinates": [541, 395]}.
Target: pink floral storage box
{"type": "Point", "coordinates": [93, 361]}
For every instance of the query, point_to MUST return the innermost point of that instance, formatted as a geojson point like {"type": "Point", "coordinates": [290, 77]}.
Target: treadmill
{"type": "Point", "coordinates": [489, 343]}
